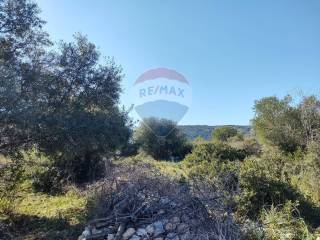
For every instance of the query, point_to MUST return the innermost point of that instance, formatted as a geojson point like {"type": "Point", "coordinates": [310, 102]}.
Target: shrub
{"type": "Point", "coordinates": [48, 180]}
{"type": "Point", "coordinates": [285, 222]}
{"type": "Point", "coordinates": [279, 122]}
{"type": "Point", "coordinates": [215, 163]}
{"type": "Point", "coordinates": [267, 181]}
{"type": "Point", "coordinates": [162, 139]}
{"type": "Point", "coordinates": [11, 177]}
{"type": "Point", "coordinates": [224, 133]}
{"type": "Point", "coordinates": [210, 151]}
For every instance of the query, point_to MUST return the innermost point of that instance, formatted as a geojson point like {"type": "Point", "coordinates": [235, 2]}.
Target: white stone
{"type": "Point", "coordinates": [96, 231]}
{"type": "Point", "coordinates": [170, 226]}
{"type": "Point", "coordinates": [158, 228]}
{"type": "Point", "coordinates": [128, 233]}
{"type": "Point", "coordinates": [135, 237]}
{"type": "Point", "coordinates": [141, 232]}
{"type": "Point", "coordinates": [110, 237]}
{"type": "Point", "coordinates": [186, 236]}
{"type": "Point", "coordinates": [182, 227]}
{"type": "Point", "coordinates": [86, 232]}
{"type": "Point", "coordinates": [150, 229]}
{"type": "Point", "coordinates": [172, 236]}
{"type": "Point", "coordinates": [175, 220]}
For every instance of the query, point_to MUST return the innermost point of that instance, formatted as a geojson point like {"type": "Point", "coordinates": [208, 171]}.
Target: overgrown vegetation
{"type": "Point", "coordinates": [161, 139]}
{"type": "Point", "coordinates": [63, 134]}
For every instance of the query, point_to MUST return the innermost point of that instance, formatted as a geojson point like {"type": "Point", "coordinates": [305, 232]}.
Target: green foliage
{"type": "Point", "coordinates": [65, 102]}
{"type": "Point", "coordinates": [49, 180]}
{"type": "Point", "coordinates": [285, 223]}
{"type": "Point", "coordinates": [224, 133]}
{"type": "Point", "coordinates": [215, 163]}
{"type": "Point", "coordinates": [211, 151]}
{"type": "Point", "coordinates": [162, 139]}
{"type": "Point", "coordinates": [11, 177]}
{"type": "Point", "coordinates": [204, 131]}
{"type": "Point", "coordinates": [279, 123]}
{"type": "Point", "coordinates": [267, 181]}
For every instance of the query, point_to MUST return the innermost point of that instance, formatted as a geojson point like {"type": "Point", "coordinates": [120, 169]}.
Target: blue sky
{"type": "Point", "coordinates": [232, 52]}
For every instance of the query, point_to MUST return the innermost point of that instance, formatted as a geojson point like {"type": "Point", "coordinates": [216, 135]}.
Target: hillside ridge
{"type": "Point", "coordinates": [205, 131]}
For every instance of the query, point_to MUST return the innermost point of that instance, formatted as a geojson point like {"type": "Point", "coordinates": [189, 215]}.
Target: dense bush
{"type": "Point", "coordinates": [288, 126]}
{"type": "Point", "coordinates": [65, 103]}
{"type": "Point", "coordinates": [285, 222]}
{"type": "Point", "coordinates": [162, 139]}
{"type": "Point", "coordinates": [224, 133]}
{"type": "Point", "coordinates": [210, 151]}
{"type": "Point", "coordinates": [267, 181]}
{"type": "Point", "coordinates": [215, 163]}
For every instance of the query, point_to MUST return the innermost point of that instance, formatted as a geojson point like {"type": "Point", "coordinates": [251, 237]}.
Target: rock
{"type": "Point", "coordinates": [171, 236]}
{"type": "Point", "coordinates": [194, 222]}
{"type": "Point", "coordinates": [161, 211]}
{"type": "Point", "coordinates": [150, 229]}
{"type": "Point", "coordinates": [185, 218]}
{"type": "Point", "coordinates": [86, 232]}
{"type": "Point", "coordinates": [158, 228]}
{"type": "Point", "coordinates": [186, 236]}
{"type": "Point", "coordinates": [128, 233]}
{"type": "Point", "coordinates": [135, 237]}
{"type": "Point", "coordinates": [175, 220]}
{"type": "Point", "coordinates": [170, 227]}
{"type": "Point", "coordinates": [165, 200]}
{"type": "Point", "coordinates": [110, 237]}
{"type": "Point", "coordinates": [96, 231]}
{"type": "Point", "coordinates": [141, 232]}
{"type": "Point", "coordinates": [182, 227]}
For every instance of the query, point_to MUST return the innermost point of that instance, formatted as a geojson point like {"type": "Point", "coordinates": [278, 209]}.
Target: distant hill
{"type": "Point", "coordinates": [204, 131]}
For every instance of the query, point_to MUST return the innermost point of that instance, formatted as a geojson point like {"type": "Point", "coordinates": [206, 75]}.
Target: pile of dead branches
{"type": "Point", "coordinates": [137, 198]}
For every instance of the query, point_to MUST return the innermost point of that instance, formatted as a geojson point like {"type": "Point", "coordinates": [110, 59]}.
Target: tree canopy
{"type": "Point", "coordinates": [64, 102]}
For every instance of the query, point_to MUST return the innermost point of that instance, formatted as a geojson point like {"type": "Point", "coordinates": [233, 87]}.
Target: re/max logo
{"type": "Point", "coordinates": [161, 90]}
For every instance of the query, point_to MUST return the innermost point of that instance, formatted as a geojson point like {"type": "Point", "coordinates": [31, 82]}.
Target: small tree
{"type": "Point", "coordinates": [224, 133]}
{"type": "Point", "coordinates": [162, 139]}
{"type": "Point", "coordinates": [281, 123]}
{"type": "Point", "coordinates": [65, 103]}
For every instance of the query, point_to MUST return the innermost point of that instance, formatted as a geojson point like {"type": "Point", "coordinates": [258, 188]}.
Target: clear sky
{"type": "Point", "coordinates": [232, 52]}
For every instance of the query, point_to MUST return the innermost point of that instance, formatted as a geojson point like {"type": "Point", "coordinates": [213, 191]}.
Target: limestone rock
{"type": "Point", "coordinates": [128, 233]}
{"type": "Point", "coordinates": [170, 227]}
{"type": "Point", "coordinates": [186, 236]}
{"type": "Point", "coordinates": [150, 229]}
{"type": "Point", "coordinates": [158, 228]}
{"type": "Point", "coordinates": [175, 220]}
{"type": "Point", "coordinates": [182, 227]}
{"type": "Point", "coordinates": [135, 237]}
{"type": "Point", "coordinates": [141, 232]}
{"type": "Point", "coordinates": [110, 237]}
{"type": "Point", "coordinates": [86, 232]}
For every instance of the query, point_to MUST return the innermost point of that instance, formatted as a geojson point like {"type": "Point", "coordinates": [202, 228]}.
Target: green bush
{"type": "Point", "coordinates": [162, 139]}
{"type": "Point", "coordinates": [285, 223]}
{"type": "Point", "coordinates": [210, 151]}
{"type": "Point", "coordinates": [267, 181]}
{"type": "Point", "coordinates": [281, 123]}
{"type": "Point", "coordinates": [224, 133]}
{"type": "Point", "coordinates": [215, 163]}
{"type": "Point", "coordinates": [48, 180]}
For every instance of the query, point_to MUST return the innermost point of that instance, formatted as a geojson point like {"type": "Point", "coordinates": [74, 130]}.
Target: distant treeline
{"type": "Point", "coordinates": [205, 131]}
